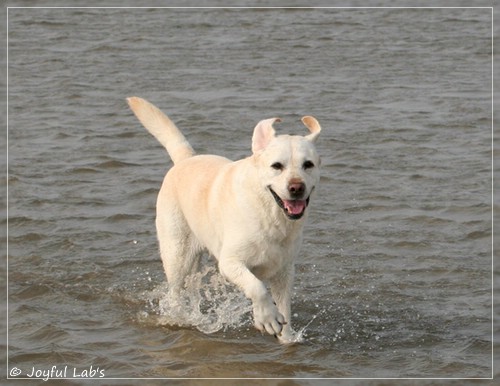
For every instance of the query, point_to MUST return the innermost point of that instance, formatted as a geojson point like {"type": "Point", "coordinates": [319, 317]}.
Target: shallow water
{"type": "Point", "coordinates": [395, 275]}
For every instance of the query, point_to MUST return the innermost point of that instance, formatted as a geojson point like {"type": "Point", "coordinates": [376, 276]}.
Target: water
{"type": "Point", "coordinates": [395, 274]}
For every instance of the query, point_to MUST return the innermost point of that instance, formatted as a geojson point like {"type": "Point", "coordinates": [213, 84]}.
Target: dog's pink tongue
{"type": "Point", "coordinates": [295, 206]}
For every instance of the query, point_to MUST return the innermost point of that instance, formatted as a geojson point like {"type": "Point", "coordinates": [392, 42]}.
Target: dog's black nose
{"type": "Point", "coordinates": [296, 189]}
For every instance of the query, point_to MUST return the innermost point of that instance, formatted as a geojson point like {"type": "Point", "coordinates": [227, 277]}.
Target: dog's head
{"type": "Point", "coordinates": [288, 165]}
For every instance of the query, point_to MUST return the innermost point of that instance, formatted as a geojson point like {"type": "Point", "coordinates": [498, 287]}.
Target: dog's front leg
{"type": "Point", "coordinates": [281, 290]}
{"type": "Point", "coordinates": [266, 314]}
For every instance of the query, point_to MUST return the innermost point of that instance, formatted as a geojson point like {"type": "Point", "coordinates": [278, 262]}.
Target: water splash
{"type": "Point", "coordinates": [300, 335]}
{"type": "Point", "coordinates": [209, 303]}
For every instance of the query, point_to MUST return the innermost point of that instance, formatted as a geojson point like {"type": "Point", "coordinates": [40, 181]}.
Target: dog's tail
{"type": "Point", "coordinates": [162, 128]}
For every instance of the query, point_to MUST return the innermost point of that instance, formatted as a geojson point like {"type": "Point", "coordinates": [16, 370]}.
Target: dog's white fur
{"type": "Point", "coordinates": [249, 214]}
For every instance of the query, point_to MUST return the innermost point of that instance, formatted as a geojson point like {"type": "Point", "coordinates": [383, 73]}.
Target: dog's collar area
{"type": "Point", "coordinates": [287, 209]}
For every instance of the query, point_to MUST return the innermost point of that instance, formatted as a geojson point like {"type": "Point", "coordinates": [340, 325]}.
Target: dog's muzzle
{"type": "Point", "coordinates": [294, 209]}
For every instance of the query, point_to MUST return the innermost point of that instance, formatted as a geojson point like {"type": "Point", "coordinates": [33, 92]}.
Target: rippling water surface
{"type": "Point", "coordinates": [394, 278]}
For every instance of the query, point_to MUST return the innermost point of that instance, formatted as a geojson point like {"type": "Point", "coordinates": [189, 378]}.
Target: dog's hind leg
{"type": "Point", "coordinates": [179, 249]}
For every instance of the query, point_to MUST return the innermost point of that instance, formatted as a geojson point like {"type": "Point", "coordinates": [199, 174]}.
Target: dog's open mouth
{"type": "Point", "coordinates": [294, 209]}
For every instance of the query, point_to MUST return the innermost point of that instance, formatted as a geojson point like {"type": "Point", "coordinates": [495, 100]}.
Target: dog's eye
{"type": "Point", "coordinates": [308, 165]}
{"type": "Point", "coordinates": [277, 166]}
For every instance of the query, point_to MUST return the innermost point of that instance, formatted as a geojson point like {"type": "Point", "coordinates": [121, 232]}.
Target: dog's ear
{"type": "Point", "coordinates": [313, 125]}
{"type": "Point", "coordinates": [263, 134]}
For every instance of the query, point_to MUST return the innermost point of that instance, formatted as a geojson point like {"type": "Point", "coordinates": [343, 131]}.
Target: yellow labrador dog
{"type": "Point", "coordinates": [249, 214]}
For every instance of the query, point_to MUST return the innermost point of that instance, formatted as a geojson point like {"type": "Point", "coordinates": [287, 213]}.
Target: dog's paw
{"type": "Point", "coordinates": [267, 318]}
